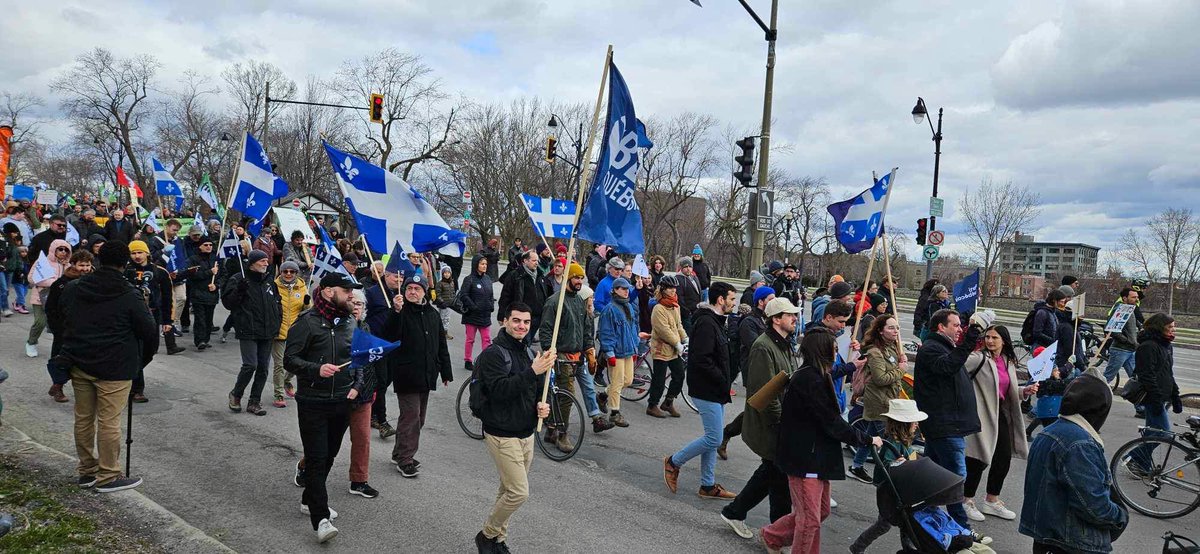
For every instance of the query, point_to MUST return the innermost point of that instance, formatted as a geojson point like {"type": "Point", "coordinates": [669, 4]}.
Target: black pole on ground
{"type": "Point", "coordinates": [128, 437]}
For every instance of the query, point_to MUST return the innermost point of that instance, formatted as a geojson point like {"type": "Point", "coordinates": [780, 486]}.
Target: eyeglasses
{"type": "Point", "coordinates": [288, 271]}
{"type": "Point", "coordinates": [62, 249]}
{"type": "Point", "coordinates": [59, 224]}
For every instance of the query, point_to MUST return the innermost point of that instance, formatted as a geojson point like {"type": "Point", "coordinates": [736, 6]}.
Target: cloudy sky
{"type": "Point", "coordinates": [1093, 103]}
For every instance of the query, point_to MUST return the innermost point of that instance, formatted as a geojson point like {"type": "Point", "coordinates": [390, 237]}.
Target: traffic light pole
{"type": "Point", "coordinates": [937, 162]}
{"type": "Point", "coordinates": [756, 236]}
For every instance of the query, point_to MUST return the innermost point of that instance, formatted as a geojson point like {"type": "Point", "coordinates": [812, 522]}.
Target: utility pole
{"type": "Point", "coordinates": [266, 117]}
{"type": "Point", "coordinates": [756, 237]}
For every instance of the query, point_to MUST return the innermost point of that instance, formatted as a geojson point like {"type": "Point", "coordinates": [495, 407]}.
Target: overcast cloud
{"type": "Point", "coordinates": [1091, 102]}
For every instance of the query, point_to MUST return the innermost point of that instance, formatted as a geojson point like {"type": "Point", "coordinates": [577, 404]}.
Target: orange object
{"type": "Point", "coordinates": [6, 134]}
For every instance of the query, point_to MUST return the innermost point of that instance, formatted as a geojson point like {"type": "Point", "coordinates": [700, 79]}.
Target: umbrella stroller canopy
{"type": "Point", "coordinates": [922, 483]}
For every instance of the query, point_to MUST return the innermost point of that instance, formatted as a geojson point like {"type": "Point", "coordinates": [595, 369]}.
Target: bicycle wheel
{"type": "Point", "coordinates": [862, 425]}
{"type": "Point", "coordinates": [1191, 403]}
{"type": "Point", "coordinates": [687, 398]}
{"type": "Point", "coordinates": [562, 402]}
{"type": "Point", "coordinates": [470, 424]}
{"type": "Point", "coordinates": [640, 387]}
{"type": "Point", "coordinates": [1169, 488]}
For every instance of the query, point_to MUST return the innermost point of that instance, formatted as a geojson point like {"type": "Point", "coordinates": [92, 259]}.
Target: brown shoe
{"type": "Point", "coordinates": [653, 411]}
{"type": "Point", "coordinates": [57, 394]}
{"type": "Point", "coordinates": [669, 406]}
{"type": "Point", "coordinates": [235, 403]}
{"type": "Point", "coordinates": [386, 430]}
{"type": "Point", "coordinates": [670, 475]}
{"type": "Point", "coordinates": [716, 492]}
{"type": "Point", "coordinates": [139, 398]}
{"type": "Point", "coordinates": [551, 435]}
{"type": "Point", "coordinates": [564, 444]}
{"type": "Point", "coordinates": [721, 450]}
{"type": "Point", "coordinates": [601, 424]}
{"type": "Point", "coordinates": [618, 419]}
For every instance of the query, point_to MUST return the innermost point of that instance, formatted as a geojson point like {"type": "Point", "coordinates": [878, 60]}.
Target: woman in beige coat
{"type": "Point", "coordinates": [667, 338]}
{"type": "Point", "coordinates": [993, 372]}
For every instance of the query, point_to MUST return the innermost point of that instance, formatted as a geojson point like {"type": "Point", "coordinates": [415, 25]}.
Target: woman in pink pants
{"type": "Point", "coordinates": [478, 303]}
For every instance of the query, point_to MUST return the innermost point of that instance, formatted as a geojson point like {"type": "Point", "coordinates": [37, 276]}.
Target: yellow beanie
{"type": "Point", "coordinates": [575, 270]}
{"type": "Point", "coordinates": [138, 246]}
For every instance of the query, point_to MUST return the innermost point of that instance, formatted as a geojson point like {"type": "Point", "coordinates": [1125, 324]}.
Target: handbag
{"type": "Point", "coordinates": [1133, 391]}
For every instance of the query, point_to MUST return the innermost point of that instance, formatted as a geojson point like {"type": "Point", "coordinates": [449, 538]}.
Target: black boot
{"type": "Point", "coordinates": [172, 348]}
{"type": "Point", "coordinates": [468, 365]}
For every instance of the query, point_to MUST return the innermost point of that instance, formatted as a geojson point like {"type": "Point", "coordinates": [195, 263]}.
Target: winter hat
{"type": "Point", "coordinates": [696, 251]}
{"type": "Point", "coordinates": [445, 269]}
{"type": "Point", "coordinates": [560, 248]}
{"type": "Point", "coordinates": [876, 299]}
{"type": "Point", "coordinates": [775, 265]}
{"type": "Point", "coordinates": [1067, 290]}
{"type": "Point", "coordinates": [114, 253]}
{"type": "Point", "coordinates": [196, 230]}
{"type": "Point", "coordinates": [621, 283]}
{"type": "Point", "coordinates": [289, 265]}
{"type": "Point", "coordinates": [684, 262]}
{"type": "Point", "coordinates": [756, 277]}
{"type": "Point", "coordinates": [762, 292]}
{"type": "Point", "coordinates": [416, 280]}
{"type": "Point", "coordinates": [840, 289]}
{"type": "Point", "coordinates": [350, 257]}
{"type": "Point", "coordinates": [837, 279]}
{"type": "Point", "coordinates": [256, 255]}
{"type": "Point", "coordinates": [574, 270]}
{"type": "Point", "coordinates": [585, 292]}
{"type": "Point", "coordinates": [138, 246]}
{"type": "Point", "coordinates": [205, 240]}
{"type": "Point", "coordinates": [541, 246]}
{"type": "Point", "coordinates": [616, 263]}
{"type": "Point", "coordinates": [1089, 397]}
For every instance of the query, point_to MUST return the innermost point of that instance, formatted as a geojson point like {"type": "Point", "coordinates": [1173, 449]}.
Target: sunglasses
{"type": "Point", "coordinates": [62, 249]}
{"type": "Point", "coordinates": [288, 271]}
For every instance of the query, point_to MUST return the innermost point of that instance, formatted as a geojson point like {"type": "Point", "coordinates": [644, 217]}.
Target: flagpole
{"type": "Point", "coordinates": [378, 278]}
{"type": "Point", "coordinates": [583, 177]}
{"type": "Point", "coordinates": [887, 262]}
{"type": "Point", "coordinates": [233, 182]}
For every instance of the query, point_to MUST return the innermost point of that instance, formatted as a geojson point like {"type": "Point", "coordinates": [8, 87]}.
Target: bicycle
{"type": "Point", "coordinates": [562, 417]}
{"type": "Point", "coordinates": [643, 371]}
{"type": "Point", "coordinates": [1170, 487]}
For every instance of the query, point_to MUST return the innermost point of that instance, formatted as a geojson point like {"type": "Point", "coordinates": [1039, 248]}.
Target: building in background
{"type": "Point", "coordinates": [1024, 256]}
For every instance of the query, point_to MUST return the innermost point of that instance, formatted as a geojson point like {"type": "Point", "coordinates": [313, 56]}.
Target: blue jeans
{"type": "Point", "coordinates": [875, 429]}
{"type": "Point", "coordinates": [951, 453]}
{"type": "Point", "coordinates": [1117, 359]}
{"type": "Point", "coordinates": [712, 415]}
{"type": "Point", "coordinates": [4, 290]}
{"type": "Point", "coordinates": [22, 290]}
{"type": "Point", "coordinates": [1156, 421]}
{"type": "Point", "coordinates": [587, 386]}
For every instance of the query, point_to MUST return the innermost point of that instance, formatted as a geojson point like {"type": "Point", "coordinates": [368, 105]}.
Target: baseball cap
{"type": "Point", "coordinates": [339, 280]}
{"type": "Point", "coordinates": [780, 305]}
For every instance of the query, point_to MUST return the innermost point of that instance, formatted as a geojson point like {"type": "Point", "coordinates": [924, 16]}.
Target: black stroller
{"type": "Point", "coordinates": [915, 486]}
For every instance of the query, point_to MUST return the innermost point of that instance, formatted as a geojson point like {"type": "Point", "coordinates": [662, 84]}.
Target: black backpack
{"type": "Point", "coordinates": [479, 400]}
{"type": "Point", "coordinates": [1027, 327]}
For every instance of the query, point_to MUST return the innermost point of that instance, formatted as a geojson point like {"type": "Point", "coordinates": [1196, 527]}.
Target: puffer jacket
{"type": "Point", "coordinates": [618, 329]}
{"type": "Point", "coordinates": [312, 342]}
{"type": "Point", "coordinates": [1154, 363]}
{"type": "Point", "coordinates": [666, 330]}
{"type": "Point", "coordinates": [293, 299]}
{"type": "Point", "coordinates": [478, 298]}
{"type": "Point", "coordinates": [257, 309]}
{"type": "Point", "coordinates": [423, 355]}
{"type": "Point", "coordinates": [884, 380]}
{"type": "Point", "coordinates": [108, 331]}
{"type": "Point", "coordinates": [1045, 325]}
{"type": "Point", "coordinates": [444, 292]}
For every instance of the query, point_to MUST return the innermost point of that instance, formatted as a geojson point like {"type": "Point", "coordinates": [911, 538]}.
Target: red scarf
{"type": "Point", "coordinates": [669, 301]}
{"type": "Point", "coordinates": [327, 309]}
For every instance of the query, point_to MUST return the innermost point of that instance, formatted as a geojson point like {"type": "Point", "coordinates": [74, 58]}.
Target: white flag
{"type": "Point", "coordinates": [43, 270]}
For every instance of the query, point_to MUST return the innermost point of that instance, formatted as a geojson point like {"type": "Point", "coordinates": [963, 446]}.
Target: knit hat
{"type": "Point", "coordinates": [255, 256]}
{"type": "Point", "coordinates": [616, 263]}
{"type": "Point", "coordinates": [416, 280]}
{"type": "Point", "coordinates": [560, 248]}
{"type": "Point", "coordinates": [1067, 290]}
{"type": "Point", "coordinates": [621, 283]}
{"type": "Point", "coordinates": [1089, 397]}
{"type": "Point", "coordinates": [696, 251]}
{"type": "Point", "coordinates": [114, 253]}
{"type": "Point", "coordinates": [585, 292]}
{"type": "Point", "coordinates": [138, 246]}
{"type": "Point", "coordinates": [762, 292]}
{"type": "Point", "coordinates": [574, 270]}
{"type": "Point", "coordinates": [196, 230]}
{"type": "Point", "coordinates": [204, 240]}
{"type": "Point", "coordinates": [876, 299]}
{"type": "Point", "coordinates": [840, 289]}
{"type": "Point", "coordinates": [756, 277]}
{"type": "Point", "coordinates": [837, 279]}
{"type": "Point", "coordinates": [350, 257]}
{"type": "Point", "coordinates": [684, 262]}
{"type": "Point", "coordinates": [289, 265]}
{"type": "Point", "coordinates": [445, 269]}
{"type": "Point", "coordinates": [774, 266]}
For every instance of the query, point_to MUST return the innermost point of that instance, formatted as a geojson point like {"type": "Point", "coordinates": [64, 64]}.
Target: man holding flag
{"type": "Point", "coordinates": [257, 312]}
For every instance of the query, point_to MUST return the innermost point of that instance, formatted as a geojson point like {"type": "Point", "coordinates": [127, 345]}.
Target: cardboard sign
{"type": "Point", "coordinates": [47, 197]}
{"type": "Point", "coordinates": [1119, 318]}
{"type": "Point", "coordinates": [1042, 365]}
{"type": "Point", "coordinates": [293, 220]}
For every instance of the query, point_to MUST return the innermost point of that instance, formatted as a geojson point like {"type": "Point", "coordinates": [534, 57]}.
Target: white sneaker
{"type": "Point", "coordinates": [739, 527]}
{"type": "Point", "coordinates": [7, 313]}
{"type": "Point", "coordinates": [973, 513]}
{"type": "Point", "coordinates": [832, 502]}
{"type": "Point", "coordinates": [31, 350]}
{"type": "Point", "coordinates": [997, 509]}
{"type": "Point", "coordinates": [325, 531]}
{"type": "Point", "coordinates": [332, 512]}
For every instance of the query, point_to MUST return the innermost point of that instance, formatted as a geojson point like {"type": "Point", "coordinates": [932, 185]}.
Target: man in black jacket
{"type": "Point", "coordinates": [257, 313]}
{"type": "Point", "coordinates": [119, 227]}
{"type": "Point", "coordinates": [40, 243]}
{"type": "Point", "coordinates": [200, 275]}
{"type": "Point", "coordinates": [415, 366]}
{"type": "Point", "coordinates": [943, 390]}
{"type": "Point", "coordinates": [81, 264]}
{"type": "Point", "coordinates": [690, 292]}
{"type": "Point", "coordinates": [155, 285]}
{"type": "Point", "coordinates": [700, 268]}
{"type": "Point", "coordinates": [708, 385]}
{"type": "Point", "coordinates": [524, 285]}
{"type": "Point", "coordinates": [316, 344]}
{"type": "Point", "coordinates": [511, 380]}
{"type": "Point", "coordinates": [108, 338]}
{"type": "Point", "coordinates": [377, 315]}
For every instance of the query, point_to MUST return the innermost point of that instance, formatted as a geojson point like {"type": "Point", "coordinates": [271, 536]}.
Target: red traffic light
{"type": "Point", "coordinates": [376, 108]}
{"type": "Point", "coordinates": [922, 225]}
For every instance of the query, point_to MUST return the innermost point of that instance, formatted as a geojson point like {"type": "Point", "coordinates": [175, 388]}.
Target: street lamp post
{"type": "Point", "coordinates": [787, 237]}
{"type": "Point", "coordinates": [552, 129]}
{"type": "Point", "coordinates": [919, 113]}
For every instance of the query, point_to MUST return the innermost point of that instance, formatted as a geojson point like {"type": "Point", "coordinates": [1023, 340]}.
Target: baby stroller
{"type": "Point", "coordinates": [910, 497]}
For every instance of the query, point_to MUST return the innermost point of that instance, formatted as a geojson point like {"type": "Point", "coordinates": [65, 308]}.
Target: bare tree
{"type": "Point", "coordinates": [1173, 238]}
{"type": "Point", "coordinates": [14, 112]}
{"type": "Point", "coordinates": [685, 151]}
{"type": "Point", "coordinates": [107, 95]}
{"type": "Point", "coordinates": [993, 214]}
{"type": "Point", "coordinates": [1134, 249]}
{"type": "Point", "coordinates": [247, 83]}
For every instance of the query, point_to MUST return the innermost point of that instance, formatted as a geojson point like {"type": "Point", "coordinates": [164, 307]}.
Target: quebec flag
{"type": "Point", "coordinates": [164, 183]}
{"type": "Point", "coordinates": [327, 259]}
{"type": "Point", "coordinates": [553, 218]}
{"type": "Point", "coordinates": [366, 348]}
{"type": "Point", "coordinates": [611, 215]}
{"type": "Point", "coordinates": [256, 184]}
{"type": "Point", "coordinates": [388, 211]}
{"type": "Point", "coordinates": [859, 220]}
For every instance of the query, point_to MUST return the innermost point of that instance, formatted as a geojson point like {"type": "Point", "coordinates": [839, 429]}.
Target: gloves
{"type": "Point", "coordinates": [679, 349]}
{"type": "Point", "coordinates": [983, 319]}
{"type": "Point", "coordinates": [1177, 404]}
{"type": "Point", "coordinates": [612, 361]}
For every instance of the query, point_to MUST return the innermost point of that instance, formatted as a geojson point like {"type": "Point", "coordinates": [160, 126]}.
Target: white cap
{"type": "Point", "coordinates": [780, 305]}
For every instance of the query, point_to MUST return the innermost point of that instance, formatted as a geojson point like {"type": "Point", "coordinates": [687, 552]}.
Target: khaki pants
{"type": "Point", "coordinates": [178, 299]}
{"type": "Point", "coordinates": [98, 407]}
{"type": "Point", "coordinates": [619, 377]}
{"type": "Point", "coordinates": [280, 375]}
{"type": "Point", "coordinates": [513, 457]}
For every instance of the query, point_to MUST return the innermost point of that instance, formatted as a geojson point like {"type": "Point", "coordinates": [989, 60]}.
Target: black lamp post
{"type": "Point", "coordinates": [919, 114]}
{"type": "Point", "coordinates": [552, 130]}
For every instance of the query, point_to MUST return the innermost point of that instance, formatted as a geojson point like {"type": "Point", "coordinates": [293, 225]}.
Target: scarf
{"type": "Point", "coordinates": [669, 301]}
{"type": "Point", "coordinates": [328, 310]}
{"type": "Point", "coordinates": [624, 304]}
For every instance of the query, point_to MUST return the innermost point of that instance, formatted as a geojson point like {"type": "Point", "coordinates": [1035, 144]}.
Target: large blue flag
{"type": "Point", "coordinates": [164, 182]}
{"type": "Point", "coordinates": [366, 348]}
{"type": "Point", "coordinates": [387, 210]}
{"type": "Point", "coordinates": [966, 293]}
{"type": "Point", "coordinates": [859, 220]}
{"type": "Point", "coordinates": [611, 215]}
{"type": "Point", "coordinates": [256, 184]}
{"type": "Point", "coordinates": [398, 262]}
{"type": "Point", "coordinates": [552, 218]}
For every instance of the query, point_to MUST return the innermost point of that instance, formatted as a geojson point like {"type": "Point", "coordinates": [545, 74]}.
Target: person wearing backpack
{"type": "Point", "coordinates": [504, 395]}
{"type": "Point", "coordinates": [880, 383]}
{"type": "Point", "coordinates": [1040, 327]}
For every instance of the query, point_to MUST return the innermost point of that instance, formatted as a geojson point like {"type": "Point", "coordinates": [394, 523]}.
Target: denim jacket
{"type": "Point", "coordinates": [1067, 492]}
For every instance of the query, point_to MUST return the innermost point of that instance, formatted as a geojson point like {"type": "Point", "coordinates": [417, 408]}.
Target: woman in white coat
{"type": "Point", "coordinates": [993, 372]}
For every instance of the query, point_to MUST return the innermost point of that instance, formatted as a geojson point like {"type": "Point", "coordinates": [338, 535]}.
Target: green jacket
{"type": "Point", "coordinates": [574, 331]}
{"type": "Point", "coordinates": [769, 355]}
{"type": "Point", "coordinates": [884, 381]}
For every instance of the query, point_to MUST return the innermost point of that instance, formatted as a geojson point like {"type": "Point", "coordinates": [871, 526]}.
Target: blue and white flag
{"type": "Point", "coordinates": [151, 219]}
{"type": "Point", "coordinates": [387, 210]}
{"type": "Point", "coordinates": [230, 246]}
{"type": "Point", "coordinates": [398, 262]}
{"type": "Point", "coordinates": [179, 204]}
{"type": "Point", "coordinates": [366, 348]}
{"type": "Point", "coordinates": [72, 235]}
{"type": "Point", "coordinates": [611, 215]}
{"type": "Point", "coordinates": [327, 259]}
{"type": "Point", "coordinates": [256, 185]}
{"type": "Point", "coordinates": [552, 218]}
{"type": "Point", "coordinates": [859, 220]}
{"type": "Point", "coordinates": [966, 293]}
{"type": "Point", "coordinates": [164, 183]}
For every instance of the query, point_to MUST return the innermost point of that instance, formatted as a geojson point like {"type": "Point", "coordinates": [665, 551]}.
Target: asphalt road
{"type": "Point", "coordinates": [230, 474]}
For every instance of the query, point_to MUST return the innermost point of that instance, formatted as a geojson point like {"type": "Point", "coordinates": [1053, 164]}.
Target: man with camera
{"type": "Point", "coordinates": [155, 285]}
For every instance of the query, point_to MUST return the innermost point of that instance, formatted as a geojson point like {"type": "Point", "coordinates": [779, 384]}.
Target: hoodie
{"type": "Point", "coordinates": [42, 288]}
{"type": "Point", "coordinates": [108, 331]}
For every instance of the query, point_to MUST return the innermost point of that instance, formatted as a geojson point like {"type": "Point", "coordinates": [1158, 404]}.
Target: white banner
{"type": "Point", "coordinates": [42, 270]}
{"type": "Point", "coordinates": [1119, 318]}
{"type": "Point", "coordinates": [1042, 365]}
{"type": "Point", "coordinates": [293, 220]}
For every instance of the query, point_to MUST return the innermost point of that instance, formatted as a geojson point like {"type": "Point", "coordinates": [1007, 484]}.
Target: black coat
{"type": "Point", "coordinates": [311, 342]}
{"type": "Point", "coordinates": [749, 329]}
{"type": "Point", "coordinates": [40, 244]}
{"type": "Point", "coordinates": [56, 311]}
{"type": "Point", "coordinates": [942, 387]}
{"type": "Point", "coordinates": [378, 307]}
{"type": "Point", "coordinates": [1154, 363]}
{"type": "Point", "coordinates": [522, 287]}
{"type": "Point", "coordinates": [108, 331]}
{"type": "Point", "coordinates": [689, 295]}
{"type": "Point", "coordinates": [708, 358]}
{"type": "Point", "coordinates": [120, 230]}
{"type": "Point", "coordinates": [257, 308]}
{"type": "Point", "coordinates": [478, 300]}
{"type": "Point", "coordinates": [423, 355]}
{"type": "Point", "coordinates": [198, 275]}
{"type": "Point", "coordinates": [703, 273]}
{"type": "Point", "coordinates": [811, 428]}
{"type": "Point", "coordinates": [512, 390]}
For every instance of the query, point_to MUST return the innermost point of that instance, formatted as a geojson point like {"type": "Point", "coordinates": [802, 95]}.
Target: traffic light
{"type": "Point", "coordinates": [745, 162]}
{"type": "Point", "coordinates": [377, 108]}
{"type": "Point", "coordinates": [551, 148]}
{"type": "Point", "coordinates": [922, 225]}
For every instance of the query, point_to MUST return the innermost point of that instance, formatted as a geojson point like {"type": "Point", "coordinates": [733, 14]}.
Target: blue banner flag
{"type": "Point", "coordinates": [398, 262]}
{"type": "Point", "coordinates": [611, 215]}
{"type": "Point", "coordinates": [256, 184]}
{"type": "Point", "coordinates": [23, 192]}
{"type": "Point", "coordinates": [552, 218]}
{"type": "Point", "coordinates": [164, 183]}
{"type": "Point", "coordinates": [230, 246]}
{"type": "Point", "coordinates": [859, 220]}
{"type": "Point", "coordinates": [966, 293]}
{"type": "Point", "coordinates": [366, 348]}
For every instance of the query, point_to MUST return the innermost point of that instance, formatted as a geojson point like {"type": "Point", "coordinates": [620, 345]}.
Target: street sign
{"type": "Point", "coordinates": [466, 197]}
{"type": "Point", "coordinates": [936, 206]}
{"type": "Point", "coordinates": [764, 202]}
{"type": "Point", "coordinates": [936, 238]}
{"type": "Point", "coordinates": [930, 253]}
